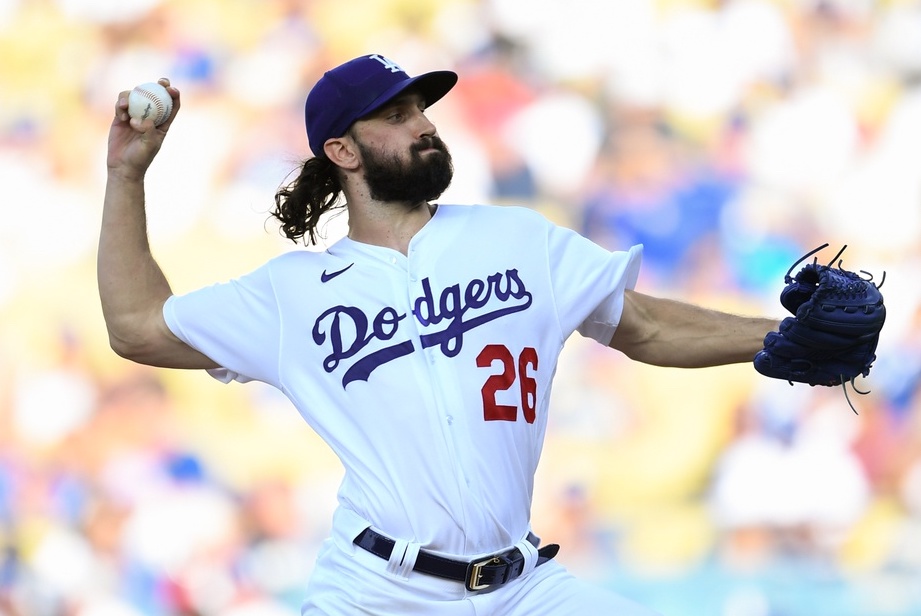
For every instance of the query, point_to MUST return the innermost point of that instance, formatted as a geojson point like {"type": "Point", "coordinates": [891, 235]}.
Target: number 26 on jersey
{"type": "Point", "coordinates": [507, 371]}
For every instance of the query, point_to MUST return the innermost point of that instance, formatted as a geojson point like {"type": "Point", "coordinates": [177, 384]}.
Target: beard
{"type": "Point", "coordinates": [419, 179]}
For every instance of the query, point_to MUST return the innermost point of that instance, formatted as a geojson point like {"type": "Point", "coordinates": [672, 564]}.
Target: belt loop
{"type": "Point", "coordinates": [530, 554]}
{"type": "Point", "coordinates": [403, 558]}
{"type": "Point", "coordinates": [409, 560]}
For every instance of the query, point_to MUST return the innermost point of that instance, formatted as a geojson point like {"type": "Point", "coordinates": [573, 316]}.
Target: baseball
{"type": "Point", "coordinates": [150, 100]}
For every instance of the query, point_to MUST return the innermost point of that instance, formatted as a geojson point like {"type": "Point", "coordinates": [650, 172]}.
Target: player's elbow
{"type": "Point", "coordinates": [647, 351]}
{"type": "Point", "coordinates": [150, 342]}
{"type": "Point", "coordinates": [132, 335]}
{"type": "Point", "coordinates": [130, 347]}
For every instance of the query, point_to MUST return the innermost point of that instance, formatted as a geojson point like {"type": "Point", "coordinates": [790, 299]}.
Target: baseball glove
{"type": "Point", "coordinates": [832, 336]}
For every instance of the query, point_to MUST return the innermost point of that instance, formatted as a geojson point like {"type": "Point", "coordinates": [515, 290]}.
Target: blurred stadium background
{"type": "Point", "coordinates": [730, 137]}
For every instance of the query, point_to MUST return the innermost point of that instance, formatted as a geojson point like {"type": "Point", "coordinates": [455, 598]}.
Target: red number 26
{"type": "Point", "coordinates": [503, 381]}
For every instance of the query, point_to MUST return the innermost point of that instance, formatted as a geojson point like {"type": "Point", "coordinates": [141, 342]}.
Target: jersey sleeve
{"type": "Point", "coordinates": [234, 323]}
{"type": "Point", "coordinates": [589, 283]}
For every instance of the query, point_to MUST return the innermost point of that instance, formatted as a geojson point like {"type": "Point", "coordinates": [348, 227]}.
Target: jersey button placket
{"type": "Point", "coordinates": [411, 265]}
{"type": "Point", "coordinates": [415, 272]}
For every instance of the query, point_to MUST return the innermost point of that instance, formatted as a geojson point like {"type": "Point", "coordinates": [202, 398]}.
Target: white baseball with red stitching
{"type": "Point", "coordinates": [150, 100]}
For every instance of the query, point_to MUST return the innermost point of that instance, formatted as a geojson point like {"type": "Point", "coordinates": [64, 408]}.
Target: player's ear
{"type": "Point", "coordinates": [342, 152]}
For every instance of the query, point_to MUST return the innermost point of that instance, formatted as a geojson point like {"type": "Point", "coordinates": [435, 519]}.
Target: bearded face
{"type": "Point", "coordinates": [391, 177]}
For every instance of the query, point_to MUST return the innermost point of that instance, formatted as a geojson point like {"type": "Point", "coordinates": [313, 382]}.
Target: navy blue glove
{"type": "Point", "coordinates": [834, 331]}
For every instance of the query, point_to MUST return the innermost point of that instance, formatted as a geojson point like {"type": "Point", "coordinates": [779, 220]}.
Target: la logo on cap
{"type": "Point", "coordinates": [390, 65]}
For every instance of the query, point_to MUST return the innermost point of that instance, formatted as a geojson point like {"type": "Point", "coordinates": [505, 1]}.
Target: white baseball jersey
{"type": "Point", "coordinates": [429, 374]}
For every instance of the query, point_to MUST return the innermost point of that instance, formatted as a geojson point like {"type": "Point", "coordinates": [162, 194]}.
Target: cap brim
{"type": "Point", "coordinates": [433, 86]}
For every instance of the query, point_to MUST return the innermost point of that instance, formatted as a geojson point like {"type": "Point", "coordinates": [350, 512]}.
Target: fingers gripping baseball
{"type": "Point", "coordinates": [149, 103]}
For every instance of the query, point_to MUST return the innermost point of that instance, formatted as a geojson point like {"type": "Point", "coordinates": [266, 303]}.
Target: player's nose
{"type": "Point", "coordinates": [424, 126]}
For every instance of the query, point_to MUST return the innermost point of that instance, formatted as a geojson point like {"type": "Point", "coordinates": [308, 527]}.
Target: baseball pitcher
{"type": "Point", "coordinates": [421, 347]}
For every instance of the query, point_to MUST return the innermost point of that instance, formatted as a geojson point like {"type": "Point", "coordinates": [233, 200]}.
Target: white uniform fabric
{"type": "Point", "coordinates": [428, 374]}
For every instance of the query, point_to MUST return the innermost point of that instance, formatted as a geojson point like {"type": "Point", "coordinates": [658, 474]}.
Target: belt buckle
{"type": "Point", "coordinates": [475, 572]}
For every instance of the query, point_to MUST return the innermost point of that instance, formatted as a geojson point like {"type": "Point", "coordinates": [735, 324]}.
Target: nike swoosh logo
{"type": "Point", "coordinates": [324, 277]}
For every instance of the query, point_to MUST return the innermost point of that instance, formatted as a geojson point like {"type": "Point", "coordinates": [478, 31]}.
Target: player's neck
{"type": "Point", "coordinates": [391, 225]}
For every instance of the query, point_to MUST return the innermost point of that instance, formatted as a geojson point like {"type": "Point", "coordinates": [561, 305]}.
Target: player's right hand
{"type": "Point", "coordinates": [134, 143]}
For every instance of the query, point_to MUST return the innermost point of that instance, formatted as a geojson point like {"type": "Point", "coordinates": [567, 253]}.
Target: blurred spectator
{"type": "Point", "coordinates": [653, 189]}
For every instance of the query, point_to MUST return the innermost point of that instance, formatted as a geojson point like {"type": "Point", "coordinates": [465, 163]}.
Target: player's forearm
{"type": "Point", "coordinates": [132, 287]}
{"type": "Point", "coordinates": [718, 339]}
{"type": "Point", "coordinates": [669, 333]}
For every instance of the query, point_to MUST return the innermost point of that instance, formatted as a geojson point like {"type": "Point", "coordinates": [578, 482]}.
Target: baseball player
{"type": "Point", "coordinates": [421, 347]}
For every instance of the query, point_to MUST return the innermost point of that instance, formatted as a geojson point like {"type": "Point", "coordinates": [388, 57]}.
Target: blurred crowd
{"type": "Point", "coordinates": [728, 137]}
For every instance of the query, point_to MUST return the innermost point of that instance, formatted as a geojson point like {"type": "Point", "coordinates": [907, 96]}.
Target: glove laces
{"type": "Point", "coordinates": [844, 383]}
{"type": "Point", "coordinates": [853, 287]}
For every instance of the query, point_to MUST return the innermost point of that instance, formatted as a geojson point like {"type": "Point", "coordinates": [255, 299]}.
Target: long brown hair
{"type": "Point", "coordinates": [300, 204]}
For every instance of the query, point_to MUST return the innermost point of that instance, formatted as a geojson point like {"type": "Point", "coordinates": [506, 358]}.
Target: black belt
{"type": "Point", "coordinates": [476, 575]}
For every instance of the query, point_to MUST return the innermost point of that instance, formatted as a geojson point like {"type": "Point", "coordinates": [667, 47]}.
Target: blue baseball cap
{"type": "Point", "coordinates": [354, 89]}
